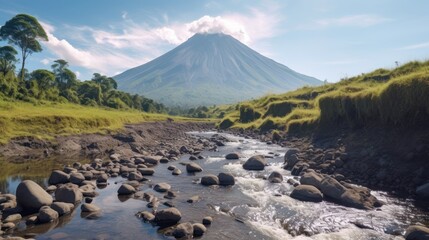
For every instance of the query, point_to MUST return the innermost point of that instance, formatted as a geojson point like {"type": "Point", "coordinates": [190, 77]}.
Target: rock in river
{"type": "Point", "coordinates": [275, 177]}
{"type": "Point", "coordinates": [226, 179]}
{"type": "Point", "coordinates": [89, 207]}
{"type": "Point", "coordinates": [47, 214]}
{"type": "Point", "coordinates": [62, 208]}
{"type": "Point", "coordinates": [232, 156]}
{"type": "Point", "coordinates": [209, 180]}
{"type": "Point", "coordinates": [168, 217]}
{"type": "Point", "coordinates": [162, 187]}
{"type": "Point", "coordinates": [307, 193]}
{"type": "Point", "coordinates": [58, 177]}
{"type": "Point", "coordinates": [257, 163]}
{"type": "Point", "coordinates": [199, 229]}
{"type": "Point", "coordinates": [31, 196]}
{"type": "Point", "coordinates": [68, 193]}
{"type": "Point", "coordinates": [193, 167]}
{"type": "Point", "coordinates": [126, 189]}
{"type": "Point", "coordinates": [184, 230]}
{"type": "Point", "coordinates": [417, 233]}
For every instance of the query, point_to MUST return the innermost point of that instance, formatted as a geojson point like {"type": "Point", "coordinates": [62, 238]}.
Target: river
{"type": "Point", "coordinates": [251, 209]}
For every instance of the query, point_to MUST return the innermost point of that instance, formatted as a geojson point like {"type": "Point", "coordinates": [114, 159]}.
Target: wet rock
{"type": "Point", "coordinates": [31, 220]}
{"type": "Point", "coordinates": [226, 179]}
{"type": "Point", "coordinates": [102, 178]}
{"type": "Point", "coordinates": [416, 232]}
{"type": "Point", "coordinates": [176, 172]}
{"type": "Point", "coordinates": [47, 214]}
{"type": "Point", "coordinates": [299, 167]}
{"type": "Point", "coordinates": [169, 204]}
{"type": "Point", "coordinates": [307, 193]}
{"type": "Point", "coordinates": [194, 199]}
{"type": "Point", "coordinates": [170, 195]}
{"type": "Point", "coordinates": [193, 167]}
{"type": "Point", "coordinates": [164, 160]}
{"type": "Point", "coordinates": [293, 182]}
{"type": "Point", "coordinates": [62, 208]}
{"type": "Point", "coordinates": [89, 207]}
{"type": "Point", "coordinates": [312, 178]}
{"type": "Point", "coordinates": [8, 225]}
{"type": "Point", "coordinates": [135, 176]}
{"type": "Point", "coordinates": [58, 177]}
{"type": "Point", "coordinates": [207, 220]}
{"type": "Point", "coordinates": [232, 156]}
{"type": "Point", "coordinates": [332, 188]}
{"type": "Point", "coordinates": [51, 188]}
{"type": "Point", "coordinates": [184, 230]}
{"type": "Point", "coordinates": [147, 216]}
{"type": "Point", "coordinates": [171, 167]}
{"type": "Point", "coordinates": [199, 229]}
{"type": "Point", "coordinates": [257, 163]}
{"type": "Point", "coordinates": [146, 171]}
{"type": "Point", "coordinates": [126, 189]}
{"type": "Point", "coordinates": [68, 193]}
{"type": "Point", "coordinates": [423, 191]}
{"type": "Point", "coordinates": [153, 160]}
{"type": "Point", "coordinates": [275, 177]}
{"type": "Point", "coordinates": [88, 175]}
{"type": "Point", "coordinates": [13, 218]}
{"type": "Point", "coordinates": [209, 180]}
{"type": "Point", "coordinates": [168, 217]}
{"type": "Point", "coordinates": [291, 158]}
{"type": "Point", "coordinates": [88, 190]}
{"type": "Point", "coordinates": [77, 178]}
{"type": "Point", "coordinates": [192, 158]}
{"type": "Point", "coordinates": [162, 187]}
{"type": "Point", "coordinates": [31, 196]}
{"type": "Point", "coordinates": [7, 201]}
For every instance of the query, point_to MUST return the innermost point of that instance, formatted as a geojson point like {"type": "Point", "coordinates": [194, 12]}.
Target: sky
{"type": "Point", "coordinates": [326, 39]}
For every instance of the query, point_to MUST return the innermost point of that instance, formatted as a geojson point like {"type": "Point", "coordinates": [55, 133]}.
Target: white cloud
{"type": "Point", "coordinates": [363, 20]}
{"type": "Point", "coordinates": [77, 74]}
{"type": "Point", "coordinates": [110, 50]}
{"type": "Point", "coordinates": [416, 46]}
{"type": "Point", "coordinates": [45, 61]}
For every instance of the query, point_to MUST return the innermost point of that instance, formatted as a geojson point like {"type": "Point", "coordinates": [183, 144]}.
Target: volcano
{"type": "Point", "coordinates": [210, 69]}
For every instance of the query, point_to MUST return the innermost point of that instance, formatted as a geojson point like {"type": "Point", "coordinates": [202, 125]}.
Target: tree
{"type": "Point", "coordinates": [24, 31]}
{"type": "Point", "coordinates": [44, 78]}
{"type": "Point", "coordinates": [64, 77]}
{"type": "Point", "coordinates": [7, 59]}
{"type": "Point", "coordinates": [106, 83]}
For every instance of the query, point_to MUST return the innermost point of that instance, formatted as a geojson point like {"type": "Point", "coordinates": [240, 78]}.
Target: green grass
{"type": "Point", "coordinates": [397, 96]}
{"type": "Point", "coordinates": [49, 119]}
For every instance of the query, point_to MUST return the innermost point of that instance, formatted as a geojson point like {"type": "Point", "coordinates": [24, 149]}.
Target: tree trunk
{"type": "Point", "coordinates": [22, 66]}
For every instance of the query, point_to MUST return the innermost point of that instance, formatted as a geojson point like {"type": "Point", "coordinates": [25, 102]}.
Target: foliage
{"type": "Point", "coordinates": [24, 31]}
{"type": "Point", "coordinates": [7, 59]}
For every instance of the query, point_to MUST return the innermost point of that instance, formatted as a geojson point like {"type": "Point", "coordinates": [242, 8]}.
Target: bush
{"type": "Point", "coordinates": [248, 114]}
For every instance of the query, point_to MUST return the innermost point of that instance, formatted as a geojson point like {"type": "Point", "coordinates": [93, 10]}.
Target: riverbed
{"type": "Point", "coordinates": [253, 208]}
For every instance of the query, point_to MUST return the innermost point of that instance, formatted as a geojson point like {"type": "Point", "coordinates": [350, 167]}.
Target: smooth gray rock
{"type": "Point", "coordinates": [199, 229]}
{"type": "Point", "coordinates": [307, 193]}
{"type": "Point", "coordinates": [77, 178]}
{"type": "Point", "coordinates": [312, 178]}
{"type": "Point", "coordinates": [275, 177]}
{"type": "Point", "coordinates": [209, 180]}
{"type": "Point", "coordinates": [31, 196]}
{"type": "Point", "coordinates": [126, 189]}
{"type": "Point", "coordinates": [193, 167]}
{"type": "Point", "coordinates": [89, 207]}
{"type": "Point", "coordinates": [232, 156]}
{"type": "Point", "coordinates": [226, 179]}
{"type": "Point", "coordinates": [162, 187]}
{"type": "Point", "coordinates": [416, 232]}
{"type": "Point", "coordinates": [68, 193]}
{"type": "Point", "coordinates": [169, 216]}
{"type": "Point", "coordinates": [184, 230]}
{"type": "Point", "coordinates": [62, 208]}
{"type": "Point", "coordinates": [58, 177]}
{"type": "Point", "coordinates": [256, 163]}
{"type": "Point", "coordinates": [146, 171]}
{"type": "Point", "coordinates": [47, 214]}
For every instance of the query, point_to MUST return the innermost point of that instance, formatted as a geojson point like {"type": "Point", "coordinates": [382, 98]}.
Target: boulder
{"type": "Point", "coordinates": [192, 158]}
{"type": "Point", "coordinates": [184, 230]}
{"type": "Point", "coordinates": [176, 172]}
{"type": "Point", "coordinates": [162, 187]}
{"type": "Point", "coordinates": [153, 160]}
{"type": "Point", "coordinates": [299, 167]}
{"type": "Point", "coordinates": [147, 216]}
{"type": "Point", "coordinates": [13, 218]}
{"type": "Point", "coordinates": [193, 167]}
{"type": "Point", "coordinates": [77, 178]}
{"type": "Point", "coordinates": [312, 178]}
{"type": "Point", "coordinates": [307, 193]}
{"type": "Point", "coordinates": [226, 179]}
{"type": "Point", "coordinates": [332, 188]}
{"type": "Point", "coordinates": [232, 156]}
{"type": "Point", "coordinates": [47, 214]}
{"type": "Point", "coordinates": [171, 167]}
{"type": "Point", "coordinates": [291, 158]}
{"type": "Point", "coordinates": [89, 207]}
{"type": "Point", "coordinates": [207, 220]}
{"type": "Point", "coordinates": [58, 177]}
{"type": "Point", "coordinates": [168, 217]}
{"type": "Point", "coordinates": [31, 196]}
{"type": "Point", "coordinates": [257, 163]}
{"type": "Point", "coordinates": [68, 193]}
{"type": "Point", "coordinates": [275, 177]}
{"type": "Point", "coordinates": [135, 176]}
{"type": "Point", "coordinates": [146, 171]}
{"type": "Point", "coordinates": [209, 180]}
{"type": "Point", "coordinates": [423, 191]}
{"type": "Point", "coordinates": [417, 233]}
{"type": "Point", "coordinates": [62, 208]}
{"type": "Point", "coordinates": [126, 189]}
{"type": "Point", "coordinates": [199, 229]}
{"type": "Point", "coordinates": [88, 190]}
{"type": "Point", "coordinates": [102, 178]}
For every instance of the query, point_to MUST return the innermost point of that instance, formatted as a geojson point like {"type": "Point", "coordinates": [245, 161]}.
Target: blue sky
{"type": "Point", "coordinates": [327, 39]}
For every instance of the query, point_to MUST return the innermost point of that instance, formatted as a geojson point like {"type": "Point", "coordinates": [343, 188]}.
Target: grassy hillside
{"type": "Point", "coordinates": [398, 96]}
{"type": "Point", "coordinates": [48, 119]}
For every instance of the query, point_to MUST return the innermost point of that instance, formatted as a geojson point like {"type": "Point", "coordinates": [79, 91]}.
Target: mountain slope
{"type": "Point", "coordinates": [210, 69]}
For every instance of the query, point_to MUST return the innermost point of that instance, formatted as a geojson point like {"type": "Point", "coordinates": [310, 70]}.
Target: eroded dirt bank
{"type": "Point", "coordinates": [147, 137]}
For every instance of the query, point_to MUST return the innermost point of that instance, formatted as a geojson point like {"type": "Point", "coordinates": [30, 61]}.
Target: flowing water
{"type": "Point", "coordinates": [251, 209]}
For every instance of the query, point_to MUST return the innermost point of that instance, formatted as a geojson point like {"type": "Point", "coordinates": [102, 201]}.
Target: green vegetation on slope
{"type": "Point", "coordinates": [393, 97]}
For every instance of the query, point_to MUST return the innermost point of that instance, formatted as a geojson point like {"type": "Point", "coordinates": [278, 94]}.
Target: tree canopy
{"type": "Point", "coordinates": [24, 31]}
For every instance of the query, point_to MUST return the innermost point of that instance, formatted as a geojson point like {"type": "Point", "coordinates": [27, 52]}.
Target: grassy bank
{"type": "Point", "coordinates": [47, 120]}
{"type": "Point", "coordinates": [395, 97]}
